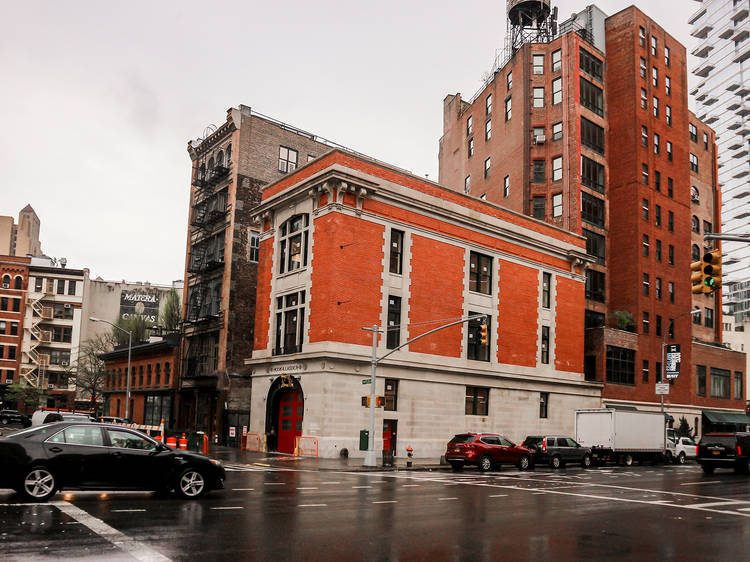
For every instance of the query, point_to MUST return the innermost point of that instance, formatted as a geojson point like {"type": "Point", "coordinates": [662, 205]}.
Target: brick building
{"type": "Point", "coordinates": [14, 276]}
{"type": "Point", "coordinates": [347, 243]}
{"type": "Point", "coordinates": [229, 167]}
{"type": "Point", "coordinates": [589, 130]}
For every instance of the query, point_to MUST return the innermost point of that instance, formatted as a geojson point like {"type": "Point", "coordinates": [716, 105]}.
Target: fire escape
{"type": "Point", "coordinates": [34, 366]}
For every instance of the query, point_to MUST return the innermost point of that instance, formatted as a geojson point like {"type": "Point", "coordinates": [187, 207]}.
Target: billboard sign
{"type": "Point", "coordinates": [140, 302]}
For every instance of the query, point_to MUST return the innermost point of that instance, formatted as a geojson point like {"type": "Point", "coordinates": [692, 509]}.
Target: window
{"type": "Point", "coordinates": [557, 131]}
{"type": "Point", "coordinates": [653, 46]}
{"type": "Point", "coordinates": [487, 164]}
{"type": "Point", "coordinates": [700, 377]}
{"type": "Point", "coordinates": [557, 169]}
{"type": "Point", "coordinates": [11, 352]}
{"type": "Point", "coordinates": [538, 64]}
{"type": "Point", "coordinates": [488, 130]}
{"type": "Point", "coordinates": [738, 393]}
{"type": "Point", "coordinates": [396, 251]}
{"type": "Point", "coordinates": [706, 227]}
{"type": "Point", "coordinates": [593, 320]}
{"type": "Point", "coordinates": [692, 129]}
{"type": "Point", "coordinates": [71, 287]}
{"type": "Point", "coordinates": [644, 135]}
{"type": "Point", "coordinates": [556, 91]}
{"type": "Point", "coordinates": [644, 98]}
{"type": "Point", "coordinates": [254, 246]}
{"type": "Point", "coordinates": [705, 141]}
{"type": "Point", "coordinates": [539, 169]}
{"type": "Point", "coordinates": [670, 289]}
{"type": "Point", "coordinates": [658, 250]}
{"type": "Point", "coordinates": [3, 303]}
{"type": "Point", "coordinates": [708, 318]}
{"type": "Point", "coordinates": [656, 106]}
{"type": "Point", "coordinates": [657, 215]}
{"type": "Point", "coordinates": [538, 97]}
{"type": "Point", "coordinates": [668, 85]}
{"type": "Point", "coordinates": [642, 37]}
{"type": "Point", "coordinates": [488, 105]}
{"type": "Point", "coordinates": [467, 184]}
{"type": "Point", "coordinates": [645, 323]}
{"type": "Point", "coordinates": [544, 396]}
{"type": "Point", "coordinates": [654, 77]}
{"type": "Point", "coordinates": [393, 338]}
{"type": "Point", "coordinates": [536, 133]}
{"type": "Point", "coordinates": [546, 286]}
{"type": "Point", "coordinates": [545, 345]}
{"type": "Point", "coordinates": [508, 109]}
{"type": "Point", "coordinates": [643, 67]}
{"type": "Point", "coordinates": [693, 163]}
{"type": "Point", "coordinates": [644, 174]}
{"type": "Point", "coordinates": [590, 64]}
{"type": "Point", "coordinates": [557, 205]}
{"type": "Point", "coordinates": [592, 209]}
{"type": "Point", "coordinates": [290, 323]}
{"type": "Point", "coordinates": [644, 209]}
{"type": "Point", "coordinates": [477, 400]}
{"type": "Point", "coordinates": [645, 245]}
{"type": "Point", "coordinates": [669, 151]}
{"type": "Point", "coordinates": [60, 286]}
{"type": "Point", "coordinates": [658, 328]}
{"type": "Point", "coordinates": [469, 126]}
{"type": "Point", "coordinates": [293, 243]}
{"type": "Point", "coordinates": [644, 371]}
{"type": "Point", "coordinates": [671, 253]}
{"type": "Point", "coordinates": [287, 159]}
{"type": "Point", "coordinates": [657, 143]}
{"type": "Point", "coordinates": [38, 283]}
{"type": "Point", "coordinates": [556, 60]}
{"type": "Point", "coordinates": [670, 187]}
{"type": "Point", "coordinates": [668, 112]}
{"type": "Point", "coordinates": [506, 186]}
{"type": "Point", "coordinates": [16, 305]}
{"type": "Point", "coordinates": [471, 147]}
{"type": "Point", "coordinates": [391, 395]}
{"type": "Point", "coordinates": [646, 284]}
{"type": "Point", "coordinates": [592, 135]}
{"type": "Point", "coordinates": [720, 383]}
{"type": "Point", "coordinates": [657, 288]}
{"type": "Point", "coordinates": [539, 207]}
{"type": "Point", "coordinates": [620, 365]}
{"type": "Point", "coordinates": [592, 174]}
{"type": "Point", "coordinates": [595, 285]}
{"type": "Point", "coordinates": [696, 253]}
{"type": "Point", "coordinates": [595, 245]}
{"type": "Point", "coordinates": [657, 181]}
{"type": "Point", "coordinates": [592, 96]}
{"type": "Point", "coordinates": [695, 224]}
{"type": "Point", "coordinates": [474, 349]}
{"type": "Point", "coordinates": [509, 80]}
{"type": "Point", "coordinates": [667, 60]}
{"type": "Point", "coordinates": [480, 273]}
{"type": "Point", "coordinates": [62, 334]}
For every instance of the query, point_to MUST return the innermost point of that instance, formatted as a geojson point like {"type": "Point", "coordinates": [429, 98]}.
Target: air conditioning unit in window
{"type": "Point", "coordinates": [50, 385]}
{"type": "Point", "coordinates": [540, 139]}
{"type": "Point", "coordinates": [64, 363]}
{"type": "Point", "coordinates": [6, 285]}
{"type": "Point", "coordinates": [67, 305]}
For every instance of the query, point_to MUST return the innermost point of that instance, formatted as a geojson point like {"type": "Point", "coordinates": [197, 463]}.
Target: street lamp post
{"type": "Point", "coordinates": [127, 377]}
{"type": "Point", "coordinates": [664, 346]}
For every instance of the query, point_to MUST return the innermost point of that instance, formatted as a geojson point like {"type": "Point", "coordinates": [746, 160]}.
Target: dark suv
{"type": "Point", "coordinates": [14, 416]}
{"type": "Point", "coordinates": [486, 450]}
{"type": "Point", "coordinates": [724, 450]}
{"type": "Point", "coordinates": [557, 450]}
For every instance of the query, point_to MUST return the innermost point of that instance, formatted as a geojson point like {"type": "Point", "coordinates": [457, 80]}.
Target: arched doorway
{"type": "Point", "coordinates": [284, 413]}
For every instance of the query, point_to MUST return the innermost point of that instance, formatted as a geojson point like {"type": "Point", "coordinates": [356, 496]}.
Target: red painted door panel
{"type": "Point", "coordinates": [291, 410]}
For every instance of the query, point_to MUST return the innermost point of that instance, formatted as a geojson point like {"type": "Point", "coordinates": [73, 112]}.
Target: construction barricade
{"type": "Point", "coordinates": [306, 446]}
{"type": "Point", "coordinates": [253, 442]}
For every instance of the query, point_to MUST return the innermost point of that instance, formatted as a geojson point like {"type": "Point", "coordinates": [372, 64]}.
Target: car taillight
{"type": "Point", "coordinates": [739, 451]}
{"type": "Point", "coordinates": [544, 445]}
{"type": "Point", "coordinates": [696, 450]}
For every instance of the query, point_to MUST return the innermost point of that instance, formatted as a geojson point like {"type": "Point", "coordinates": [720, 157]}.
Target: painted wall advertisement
{"type": "Point", "coordinates": [140, 302]}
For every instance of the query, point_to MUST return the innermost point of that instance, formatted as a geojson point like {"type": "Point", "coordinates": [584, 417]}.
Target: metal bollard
{"type": "Point", "coordinates": [409, 455]}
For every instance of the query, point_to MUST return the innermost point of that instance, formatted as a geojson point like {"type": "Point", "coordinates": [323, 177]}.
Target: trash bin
{"type": "Point", "coordinates": [364, 439]}
{"type": "Point", "coordinates": [387, 458]}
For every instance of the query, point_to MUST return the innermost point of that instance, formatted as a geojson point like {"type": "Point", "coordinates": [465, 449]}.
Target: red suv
{"type": "Point", "coordinates": [486, 450]}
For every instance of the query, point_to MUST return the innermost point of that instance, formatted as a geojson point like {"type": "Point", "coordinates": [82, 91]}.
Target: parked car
{"type": "Point", "coordinates": [40, 461]}
{"type": "Point", "coordinates": [685, 448]}
{"type": "Point", "coordinates": [486, 450]}
{"type": "Point", "coordinates": [111, 419]}
{"type": "Point", "coordinates": [50, 416]}
{"type": "Point", "coordinates": [557, 450]}
{"type": "Point", "coordinates": [724, 450]}
{"type": "Point", "coordinates": [14, 416]}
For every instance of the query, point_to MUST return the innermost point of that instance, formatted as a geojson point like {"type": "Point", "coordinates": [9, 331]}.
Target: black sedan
{"type": "Point", "coordinates": [40, 461]}
{"type": "Point", "coordinates": [14, 416]}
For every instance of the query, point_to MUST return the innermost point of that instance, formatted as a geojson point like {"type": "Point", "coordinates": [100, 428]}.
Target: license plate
{"type": "Point", "coordinates": [717, 452]}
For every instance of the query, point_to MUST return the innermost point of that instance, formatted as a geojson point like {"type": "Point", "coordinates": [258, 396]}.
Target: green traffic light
{"type": "Point", "coordinates": [709, 281]}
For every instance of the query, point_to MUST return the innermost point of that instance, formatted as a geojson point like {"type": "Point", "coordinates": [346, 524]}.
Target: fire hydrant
{"type": "Point", "coordinates": [409, 455]}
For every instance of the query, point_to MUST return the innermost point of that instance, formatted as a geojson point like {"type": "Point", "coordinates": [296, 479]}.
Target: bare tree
{"type": "Point", "coordinates": [90, 367]}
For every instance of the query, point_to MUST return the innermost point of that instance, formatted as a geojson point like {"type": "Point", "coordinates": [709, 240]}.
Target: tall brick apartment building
{"type": "Point", "coordinates": [14, 279]}
{"type": "Point", "coordinates": [229, 167]}
{"type": "Point", "coordinates": [589, 130]}
{"type": "Point", "coordinates": [348, 243]}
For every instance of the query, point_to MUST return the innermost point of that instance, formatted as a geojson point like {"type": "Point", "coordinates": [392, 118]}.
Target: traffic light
{"type": "Point", "coordinates": [697, 277]}
{"type": "Point", "coordinates": [483, 334]}
{"type": "Point", "coordinates": [366, 401]}
{"type": "Point", "coordinates": [712, 271]}
{"type": "Point", "coordinates": [379, 401]}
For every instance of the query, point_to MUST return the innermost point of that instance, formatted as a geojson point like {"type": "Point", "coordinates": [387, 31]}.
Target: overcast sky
{"type": "Point", "coordinates": [99, 99]}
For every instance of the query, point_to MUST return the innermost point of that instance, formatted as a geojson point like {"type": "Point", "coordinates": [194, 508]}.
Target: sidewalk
{"type": "Point", "coordinates": [281, 460]}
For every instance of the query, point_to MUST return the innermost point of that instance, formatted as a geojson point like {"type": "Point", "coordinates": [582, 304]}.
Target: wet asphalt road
{"type": "Point", "coordinates": [663, 512]}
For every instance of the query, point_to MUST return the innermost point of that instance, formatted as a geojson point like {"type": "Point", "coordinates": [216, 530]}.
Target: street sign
{"type": "Point", "coordinates": [366, 381]}
{"type": "Point", "coordinates": [673, 361]}
{"type": "Point", "coordinates": [662, 388]}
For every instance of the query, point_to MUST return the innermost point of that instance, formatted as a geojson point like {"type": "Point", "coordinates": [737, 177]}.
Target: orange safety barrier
{"type": "Point", "coordinates": [183, 442]}
{"type": "Point", "coordinates": [306, 446]}
{"type": "Point", "coordinates": [158, 438]}
{"type": "Point", "coordinates": [253, 442]}
{"type": "Point", "coordinates": [206, 441]}
{"type": "Point", "coordinates": [172, 442]}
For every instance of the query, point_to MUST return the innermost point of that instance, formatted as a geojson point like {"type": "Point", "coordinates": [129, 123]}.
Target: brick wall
{"type": "Point", "coordinates": [517, 333]}
{"type": "Point", "coordinates": [569, 311]}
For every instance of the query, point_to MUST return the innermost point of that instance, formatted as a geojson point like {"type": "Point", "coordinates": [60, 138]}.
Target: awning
{"type": "Point", "coordinates": [734, 418]}
{"type": "Point", "coordinates": [622, 407]}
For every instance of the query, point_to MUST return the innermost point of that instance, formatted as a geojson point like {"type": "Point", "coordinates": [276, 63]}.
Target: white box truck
{"type": "Point", "coordinates": [623, 436]}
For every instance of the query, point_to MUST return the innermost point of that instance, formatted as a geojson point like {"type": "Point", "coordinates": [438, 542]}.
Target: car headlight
{"type": "Point", "coordinates": [217, 463]}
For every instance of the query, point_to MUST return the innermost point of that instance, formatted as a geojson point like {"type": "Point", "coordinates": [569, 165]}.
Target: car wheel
{"type": "Point", "coordinates": [485, 463]}
{"type": "Point", "coordinates": [38, 484]}
{"type": "Point", "coordinates": [556, 462]}
{"type": "Point", "coordinates": [626, 460]}
{"type": "Point", "coordinates": [191, 483]}
{"type": "Point", "coordinates": [524, 463]}
{"type": "Point", "coordinates": [586, 461]}
{"type": "Point", "coordinates": [668, 457]}
{"type": "Point", "coordinates": [707, 468]}
{"type": "Point", "coordinates": [457, 466]}
{"type": "Point", "coordinates": [681, 458]}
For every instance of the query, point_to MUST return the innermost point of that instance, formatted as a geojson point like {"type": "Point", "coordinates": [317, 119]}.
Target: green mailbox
{"type": "Point", "coordinates": [364, 439]}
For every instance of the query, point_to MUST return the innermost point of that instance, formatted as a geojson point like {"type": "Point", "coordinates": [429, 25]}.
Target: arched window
{"type": "Point", "coordinates": [6, 281]}
{"type": "Point", "coordinates": [210, 165]}
{"type": "Point", "coordinates": [695, 224]}
{"type": "Point", "coordinates": [696, 253]}
{"type": "Point", "coordinates": [202, 172]}
{"type": "Point", "coordinates": [293, 243]}
{"type": "Point", "coordinates": [695, 195]}
{"type": "Point", "coordinates": [18, 283]}
{"type": "Point", "coordinates": [229, 154]}
{"type": "Point", "coordinates": [220, 158]}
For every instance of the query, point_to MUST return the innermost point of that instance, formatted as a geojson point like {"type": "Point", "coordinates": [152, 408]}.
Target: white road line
{"type": "Point", "coordinates": [744, 509]}
{"type": "Point", "coordinates": [136, 549]}
{"type": "Point", "coordinates": [229, 507]}
{"type": "Point", "coordinates": [361, 487]}
{"type": "Point", "coordinates": [726, 503]}
{"type": "Point", "coordinates": [313, 505]}
{"type": "Point", "coordinates": [330, 482]}
{"type": "Point", "coordinates": [387, 501]}
{"type": "Point", "coordinates": [273, 483]}
{"type": "Point", "coordinates": [307, 488]}
{"type": "Point", "coordinates": [700, 482]}
{"type": "Point", "coordinates": [243, 489]}
{"type": "Point", "coordinates": [410, 486]}
{"type": "Point", "coordinates": [446, 499]}
{"type": "Point", "coordinates": [126, 510]}
{"type": "Point", "coordinates": [499, 496]}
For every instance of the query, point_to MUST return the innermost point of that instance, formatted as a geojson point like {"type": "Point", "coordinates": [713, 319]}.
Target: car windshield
{"type": "Point", "coordinates": [531, 441]}
{"type": "Point", "coordinates": [462, 439]}
{"type": "Point", "coordinates": [725, 440]}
